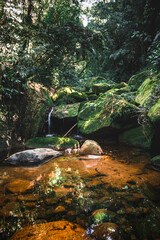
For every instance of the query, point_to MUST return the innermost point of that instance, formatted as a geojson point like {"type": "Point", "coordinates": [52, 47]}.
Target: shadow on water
{"type": "Point", "coordinates": [113, 188]}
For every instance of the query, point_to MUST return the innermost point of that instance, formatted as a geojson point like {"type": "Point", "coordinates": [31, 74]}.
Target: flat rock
{"type": "Point", "coordinates": [58, 230]}
{"type": "Point", "coordinates": [19, 186]}
{"type": "Point", "coordinates": [32, 157]}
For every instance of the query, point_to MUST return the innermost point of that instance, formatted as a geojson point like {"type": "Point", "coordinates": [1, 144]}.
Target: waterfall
{"type": "Point", "coordinates": [49, 123]}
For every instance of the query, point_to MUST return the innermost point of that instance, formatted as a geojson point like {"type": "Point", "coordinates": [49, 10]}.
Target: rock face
{"type": "Point", "coordinates": [90, 147]}
{"type": "Point", "coordinates": [110, 113]}
{"type": "Point", "coordinates": [59, 230]}
{"type": "Point", "coordinates": [32, 157]}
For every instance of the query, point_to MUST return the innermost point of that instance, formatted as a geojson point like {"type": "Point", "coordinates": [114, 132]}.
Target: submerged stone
{"type": "Point", "coordinates": [19, 186]}
{"type": "Point", "coordinates": [32, 157]}
{"type": "Point", "coordinates": [102, 215]}
{"type": "Point", "coordinates": [58, 230]}
{"type": "Point", "coordinates": [107, 230]}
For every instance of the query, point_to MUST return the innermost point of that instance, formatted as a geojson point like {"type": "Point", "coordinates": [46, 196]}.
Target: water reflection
{"type": "Point", "coordinates": [84, 191]}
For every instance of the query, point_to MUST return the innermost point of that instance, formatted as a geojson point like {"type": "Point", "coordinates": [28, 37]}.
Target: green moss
{"type": "Point", "coordinates": [109, 110]}
{"type": "Point", "coordinates": [136, 80]}
{"type": "Point", "coordinates": [154, 112]}
{"type": "Point", "coordinates": [66, 111]}
{"type": "Point", "coordinates": [51, 142]}
{"type": "Point", "coordinates": [138, 137]}
{"type": "Point", "coordinates": [144, 92]}
{"type": "Point", "coordinates": [68, 95]}
{"type": "Point", "coordinates": [101, 87]}
{"type": "Point", "coordinates": [121, 85]}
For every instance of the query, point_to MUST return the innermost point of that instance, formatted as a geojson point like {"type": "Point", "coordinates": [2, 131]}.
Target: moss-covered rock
{"type": "Point", "coordinates": [66, 111]}
{"type": "Point", "coordinates": [136, 80]}
{"type": "Point", "coordinates": [109, 111]}
{"type": "Point", "coordinates": [51, 142]}
{"type": "Point", "coordinates": [154, 112]}
{"type": "Point", "coordinates": [89, 82]}
{"type": "Point", "coordinates": [146, 91]}
{"type": "Point", "coordinates": [138, 137]}
{"type": "Point", "coordinates": [129, 96]}
{"type": "Point", "coordinates": [101, 87]}
{"type": "Point", "coordinates": [121, 85]}
{"type": "Point", "coordinates": [68, 95]}
{"type": "Point", "coordinates": [155, 161]}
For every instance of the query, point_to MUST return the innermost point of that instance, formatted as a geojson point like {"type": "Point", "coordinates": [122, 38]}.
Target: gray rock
{"type": "Point", "coordinates": [32, 157]}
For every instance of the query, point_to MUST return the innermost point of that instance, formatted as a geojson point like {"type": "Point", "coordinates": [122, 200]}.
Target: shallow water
{"type": "Point", "coordinates": [72, 188]}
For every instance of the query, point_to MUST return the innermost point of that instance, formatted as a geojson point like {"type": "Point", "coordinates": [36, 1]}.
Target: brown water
{"type": "Point", "coordinates": [73, 188]}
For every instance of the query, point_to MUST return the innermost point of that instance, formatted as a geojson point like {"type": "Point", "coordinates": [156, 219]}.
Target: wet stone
{"type": "Point", "coordinates": [93, 184]}
{"type": "Point", "coordinates": [19, 186]}
{"type": "Point", "coordinates": [51, 201]}
{"type": "Point", "coordinates": [60, 209]}
{"type": "Point", "coordinates": [3, 198]}
{"type": "Point", "coordinates": [102, 215]}
{"type": "Point", "coordinates": [28, 197]}
{"type": "Point", "coordinates": [106, 230]}
{"type": "Point", "coordinates": [11, 209]}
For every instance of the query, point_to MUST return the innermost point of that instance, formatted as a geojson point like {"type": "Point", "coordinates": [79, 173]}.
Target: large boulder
{"type": "Point", "coordinates": [154, 112]}
{"type": "Point", "coordinates": [147, 91]}
{"type": "Point", "coordinates": [136, 80]}
{"type": "Point", "coordinates": [66, 111]}
{"type": "Point", "coordinates": [68, 95]}
{"type": "Point", "coordinates": [110, 113]}
{"type": "Point", "coordinates": [155, 161]}
{"type": "Point", "coordinates": [138, 137]}
{"type": "Point", "coordinates": [51, 142]}
{"type": "Point", "coordinates": [58, 230]}
{"type": "Point", "coordinates": [90, 147]}
{"type": "Point", "coordinates": [101, 87]}
{"type": "Point", "coordinates": [32, 157]}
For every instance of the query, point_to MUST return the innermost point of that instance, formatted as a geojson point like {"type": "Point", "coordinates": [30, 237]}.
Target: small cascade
{"type": "Point", "coordinates": [49, 123]}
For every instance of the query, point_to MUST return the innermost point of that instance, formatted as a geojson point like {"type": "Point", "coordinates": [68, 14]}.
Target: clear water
{"type": "Point", "coordinates": [72, 188]}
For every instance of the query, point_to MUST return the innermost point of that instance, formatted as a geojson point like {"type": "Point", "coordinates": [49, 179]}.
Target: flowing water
{"type": "Point", "coordinates": [49, 123]}
{"type": "Point", "coordinates": [118, 187]}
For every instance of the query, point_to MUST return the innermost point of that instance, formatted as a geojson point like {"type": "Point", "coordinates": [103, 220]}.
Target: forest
{"type": "Point", "coordinates": [73, 71]}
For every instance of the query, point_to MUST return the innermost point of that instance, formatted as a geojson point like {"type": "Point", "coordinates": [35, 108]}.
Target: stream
{"type": "Point", "coordinates": [118, 187]}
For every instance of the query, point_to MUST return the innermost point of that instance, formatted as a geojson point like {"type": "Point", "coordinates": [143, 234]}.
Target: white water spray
{"type": "Point", "coordinates": [49, 123]}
